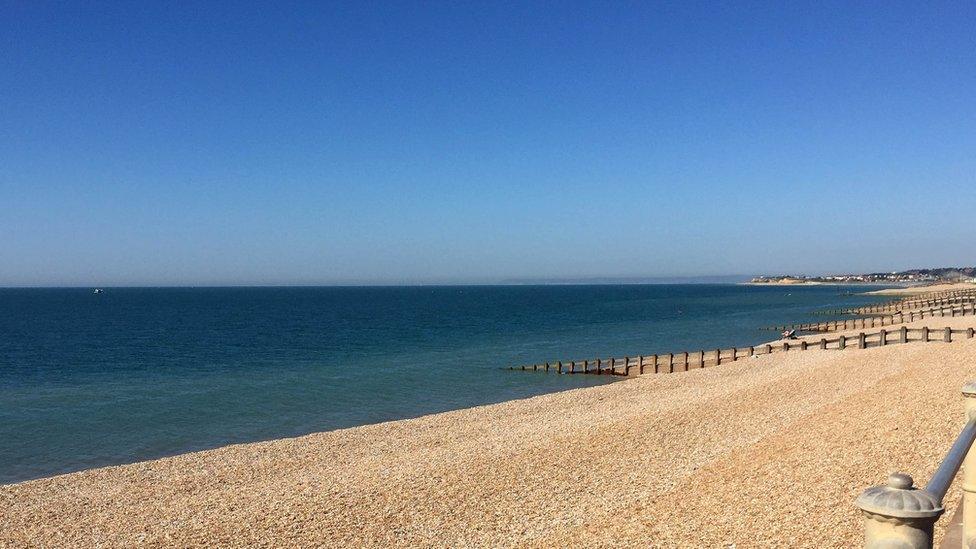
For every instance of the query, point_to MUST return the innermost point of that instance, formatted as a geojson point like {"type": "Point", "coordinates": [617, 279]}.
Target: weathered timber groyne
{"type": "Point", "coordinates": [964, 309]}
{"type": "Point", "coordinates": [685, 361]}
{"type": "Point", "coordinates": [929, 301]}
{"type": "Point", "coordinates": [908, 309]}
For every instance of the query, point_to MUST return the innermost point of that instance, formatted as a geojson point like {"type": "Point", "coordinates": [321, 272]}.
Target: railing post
{"type": "Point", "coordinates": [670, 363]}
{"type": "Point", "coordinates": [862, 342]}
{"type": "Point", "coordinates": [842, 343]}
{"type": "Point", "coordinates": [948, 335]}
{"type": "Point", "coordinates": [898, 515]}
{"type": "Point", "coordinates": [640, 368]}
{"type": "Point", "coordinates": [701, 358]}
{"type": "Point", "coordinates": [718, 357]}
{"type": "Point", "coordinates": [969, 474]}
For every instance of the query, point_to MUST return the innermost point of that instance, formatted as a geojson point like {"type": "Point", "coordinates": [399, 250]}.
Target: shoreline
{"type": "Point", "coordinates": [932, 288]}
{"type": "Point", "coordinates": [675, 458]}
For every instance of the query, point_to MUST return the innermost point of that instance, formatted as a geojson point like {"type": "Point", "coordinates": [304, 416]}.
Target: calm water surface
{"type": "Point", "coordinates": [89, 380]}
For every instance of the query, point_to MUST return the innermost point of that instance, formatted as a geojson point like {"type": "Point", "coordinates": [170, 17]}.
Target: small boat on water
{"type": "Point", "coordinates": [98, 290]}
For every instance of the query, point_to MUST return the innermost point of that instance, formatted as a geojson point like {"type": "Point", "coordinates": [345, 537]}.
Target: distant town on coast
{"type": "Point", "coordinates": [913, 276]}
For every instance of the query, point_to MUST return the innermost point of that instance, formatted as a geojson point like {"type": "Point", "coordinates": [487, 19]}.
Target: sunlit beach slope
{"type": "Point", "coordinates": [935, 288]}
{"type": "Point", "coordinates": [770, 450]}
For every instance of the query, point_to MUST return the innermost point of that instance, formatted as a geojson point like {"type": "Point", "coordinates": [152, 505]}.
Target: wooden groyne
{"type": "Point", "coordinates": [964, 309]}
{"type": "Point", "coordinates": [908, 309]}
{"type": "Point", "coordinates": [946, 298]}
{"type": "Point", "coordinates": [898, 305]}
{"type": "Point", "coordinates": [685, 361]}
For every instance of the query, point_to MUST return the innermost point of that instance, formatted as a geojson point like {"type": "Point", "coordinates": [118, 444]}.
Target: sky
{"type": "Point", "coordinates": [148, 143]}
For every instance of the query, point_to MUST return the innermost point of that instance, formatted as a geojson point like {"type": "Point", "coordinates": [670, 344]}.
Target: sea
{"type": "Point", "coordinates": [89, 380]}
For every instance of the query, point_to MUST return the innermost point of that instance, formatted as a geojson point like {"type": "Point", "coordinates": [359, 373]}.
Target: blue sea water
{"type": "Point", "coordinates": [89, 380]}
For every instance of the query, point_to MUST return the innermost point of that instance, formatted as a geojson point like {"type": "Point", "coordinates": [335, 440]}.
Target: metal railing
{"type": "Point", "coordinates": [898, 515]}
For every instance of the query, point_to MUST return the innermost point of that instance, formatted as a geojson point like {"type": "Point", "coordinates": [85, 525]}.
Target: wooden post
{"type": "Point", "coordinates": [823, 343]}
{"type": "Point", "coordinates": [904, 334]}
{"type": "Point", "coordinates": [842, 343]}
{"type": "Point", "coordinates": [572, 367]}
{"type": "Point", "coordinates": [655, 364]}
{"type": "Point", "coordinates": [948, 335]}
{"type": "Point", "coordinates": [559, 367]}
{"type": "Point", "coordinates": [599, 366]}
{"type": "Point", "coordinates": [701, 358]}
{"type": "Point", "coordinates": [734, 352]}
{"type": "Point", "coordinates": [884, 337]}
{"type": "Point", "coordinates": [641, 364]}
{"type": "Point", "coordinates": [718, 357]}
{"type": "Point", "coordinates": [686, 361]}
{"type": "Point", "coordinates": [626, 365]}
{"type": "Point", "coordinates": [752, 351]}
{"type": "Point", "coordinates": [786, 345]}
{"type": "Point", "coordinates": [862, 341]}
{"type": "Point", "coordinates": [670, 363]}
{"type": "Point", "coordinates": [925, 334]}
{"type": "Point", "coordinates": [803, 345]}
{"type": "Point", "coordinates": [969, 333]}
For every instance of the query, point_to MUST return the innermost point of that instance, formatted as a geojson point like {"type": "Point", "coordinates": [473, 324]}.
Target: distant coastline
{"type": "Point", "coordinates": [912, 277]}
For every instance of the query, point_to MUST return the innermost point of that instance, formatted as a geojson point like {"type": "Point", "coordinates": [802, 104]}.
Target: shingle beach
{"type": "Point", "coordinates": [766, 452]}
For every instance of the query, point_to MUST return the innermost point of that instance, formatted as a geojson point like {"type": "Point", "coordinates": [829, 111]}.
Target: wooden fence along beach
{"type": "Point", "coordinates": [963, 304]}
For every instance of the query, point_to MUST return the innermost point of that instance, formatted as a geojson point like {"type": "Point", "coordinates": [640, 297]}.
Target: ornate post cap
{"type": "Point", "coordinates": [899, 499]}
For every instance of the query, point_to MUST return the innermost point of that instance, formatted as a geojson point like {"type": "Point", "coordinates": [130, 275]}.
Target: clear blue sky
{"type": "Point", "coordinates": [163, 143]}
